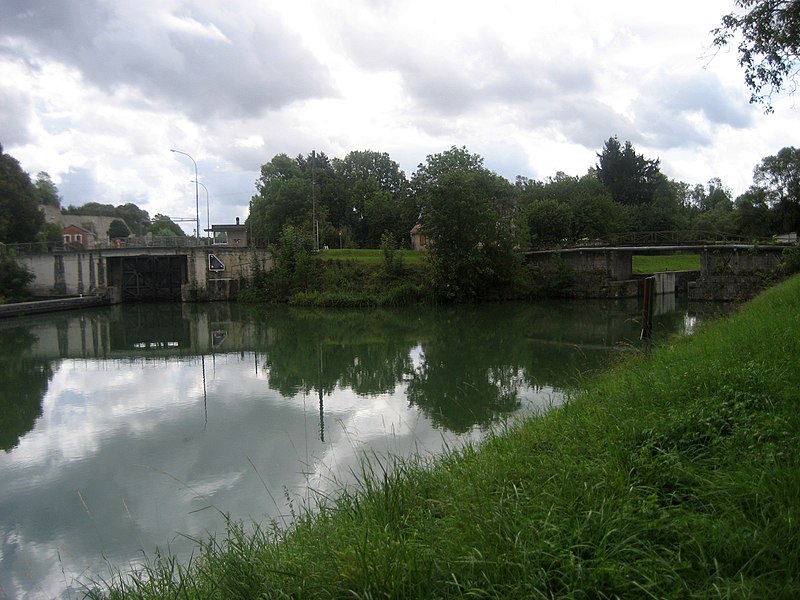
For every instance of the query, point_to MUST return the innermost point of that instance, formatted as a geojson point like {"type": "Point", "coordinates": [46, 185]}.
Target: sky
{"type": "Point", "coordinates": [97, 92]}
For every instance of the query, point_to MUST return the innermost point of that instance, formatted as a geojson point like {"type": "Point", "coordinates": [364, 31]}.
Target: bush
{"type": "Point", "coordinates": [14, 278]}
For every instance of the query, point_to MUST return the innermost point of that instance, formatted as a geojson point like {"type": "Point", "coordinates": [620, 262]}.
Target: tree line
{"type": "Point", "coordinates": [478, 221]}
{"type": "Point", "coordinates": [366, 194]}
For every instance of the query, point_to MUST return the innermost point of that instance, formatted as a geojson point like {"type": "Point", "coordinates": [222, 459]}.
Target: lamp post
{"type": "Point", "coordinates": [196, 193]}
{"type": "Point", "coordinates": [208, 213]}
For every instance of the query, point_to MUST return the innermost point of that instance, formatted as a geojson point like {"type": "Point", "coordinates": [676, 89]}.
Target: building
{"type": "Point", "coordinates": [229, 235]}
{"type": "Point", "coordinates": [75, 236]}
{"type": "Point", "coordinates": [418, 239]}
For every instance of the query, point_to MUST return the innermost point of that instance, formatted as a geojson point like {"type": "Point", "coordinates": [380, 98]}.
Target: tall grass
{"type": "Point", "coordinates": [674, 475]}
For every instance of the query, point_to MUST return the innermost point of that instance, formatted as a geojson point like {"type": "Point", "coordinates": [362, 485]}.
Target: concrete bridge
{"type": "Point", "coordinates": [147, 273]}
{"type": "Point", "coordinates": [727, 271]}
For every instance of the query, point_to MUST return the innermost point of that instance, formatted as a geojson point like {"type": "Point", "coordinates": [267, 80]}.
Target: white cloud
{"type": "Point", "coordinates": [96, 93]}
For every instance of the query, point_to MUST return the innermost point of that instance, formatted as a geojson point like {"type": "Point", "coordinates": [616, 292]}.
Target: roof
{"type": "Point", "coordinates": [83, 229]}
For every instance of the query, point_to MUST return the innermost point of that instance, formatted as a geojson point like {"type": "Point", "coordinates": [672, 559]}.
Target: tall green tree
{"type": "Point", "coordinates": [284, 196]}
{"type": "Point", "coordinates": [767, 34]}
{"type": "Point", "coordinates": [46, 191]}
{"type": "Point", "coordinates": [752, 214]}
{"type": "Point", "coordinates": [630, 178]}
{"type": "Point", "coordinates": [163, 226]}
{"type": "Point", "coordinates": [20, 217]}
{"type": "Point", "coordinates": [371, 198]}
{"type": "Point", "coordinates": [468, 213]}
{"type": "Point", "coordinates": [118, 229]}
{"type": "Point", "coordinates": [779, 177]}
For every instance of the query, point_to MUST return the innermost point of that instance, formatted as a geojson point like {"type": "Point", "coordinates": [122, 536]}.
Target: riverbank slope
{"type": "Point", "coordinates": [674, 475]}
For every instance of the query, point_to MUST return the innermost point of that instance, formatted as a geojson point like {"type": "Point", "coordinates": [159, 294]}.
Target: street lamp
{"type": "Point", "coordinates": [196, 193]}
{"type": "Point", "coordinates": [208, 212]}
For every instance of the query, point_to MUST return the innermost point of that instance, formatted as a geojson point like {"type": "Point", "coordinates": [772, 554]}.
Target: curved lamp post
{"type": "Point", "coordinates": [208, 212]}
{"type": "Point", "coordinates": [196, 193]}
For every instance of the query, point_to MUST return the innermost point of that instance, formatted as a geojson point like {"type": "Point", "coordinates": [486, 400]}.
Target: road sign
{"type": "Point", "coordinates": [215, 264]}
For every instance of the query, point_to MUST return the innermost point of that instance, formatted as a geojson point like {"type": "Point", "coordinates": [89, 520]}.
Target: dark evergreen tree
{"type": "Point", "coordinates": [630, 178]}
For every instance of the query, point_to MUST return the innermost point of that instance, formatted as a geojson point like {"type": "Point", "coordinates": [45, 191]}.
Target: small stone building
{"type": "Point", "coordinates": [75, 236]}
{"type": "Point", "coordinates": [229, 235]}
{"type": "Point", "coordinates": [418, 239]}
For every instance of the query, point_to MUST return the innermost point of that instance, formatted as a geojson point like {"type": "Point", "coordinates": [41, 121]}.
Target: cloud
{"type": "Point", "coordinates": [15, 117]}
{"type": "Point", "coordinates": [106, 87]}
{"type": "Point", "coordinates": [234, 61]}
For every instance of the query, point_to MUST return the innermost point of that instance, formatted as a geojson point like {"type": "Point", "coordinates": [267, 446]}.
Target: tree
{"type": "Point", "coordinates": [163, 226]}
{"type": "Point", "coordinates": [46, 191]}
{"type": "Point", "coordinates": [769, 45]}
{"type": "Point", "coordinates": [20, 217]}
{"type": "Point", "coordinates": [779, 178]}
{"type": "Point", "coordinates": [752, 214]}
{"type": "Point", "coordinates": [630, 178]}
{"type": "Point", "coordinates": [118, 229]}
{"type": "Point", "coordinates": [14, 278]}
{"type": "Point", "coordinates": [285, 197]}
{"type": "Point", "coordinates": [468, 213]}
{"type": "Point", "coordinates": [549, 221]}
{"type": "Point", "coordinates": [371, 198]}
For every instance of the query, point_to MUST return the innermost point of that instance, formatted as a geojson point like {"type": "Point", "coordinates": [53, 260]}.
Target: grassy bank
{"type": "Point", "coordinates": [667, 262]}
{"type": "Point", "coordinates": [674, 475]}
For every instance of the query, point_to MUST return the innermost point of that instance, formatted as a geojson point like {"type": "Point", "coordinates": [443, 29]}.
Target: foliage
{"type": "Point", "coordinates": [549, 221]}
{"type": "Point", "coordinates": [790, 260]}
{"type": "Point", "coordinates": [779, 176]}
{"type": "Point", "coordinates": [14, 278]}
{"type": "Point", "coordinates": [46, 191]}
{"type": "Point", "coordinates": [768, 36]}
{"type": "Point", "coordinates": [118, 229]}
{"type": "Point", "coordinates": [134, 217]}
{"type": "Point", "coordinates": [392, 260]}
{"type": "Point", "coordinates": [292, 273]}
{"type": "Point", "coordinates": [630, 178]}
{"type": "Point", "coordinates": [50, 233]}
{"type": "Point", "coordinates": [372, 197]}
{"type": "Point", "coordinates": [20, 217]}
{"type": "Point", "coordinates": [463, 216]}
{"type": "Point", "coordinates": [375, 257]}
{"type": "Point", "coordinates": [163, 226]}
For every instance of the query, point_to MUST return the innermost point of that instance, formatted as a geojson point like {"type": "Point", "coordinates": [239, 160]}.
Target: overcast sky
{"type": "Point", "coordinates": [96, 92]}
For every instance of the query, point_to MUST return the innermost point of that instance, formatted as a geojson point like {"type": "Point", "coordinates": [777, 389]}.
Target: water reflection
{"type": "Point", "coordinates": [136, 426]}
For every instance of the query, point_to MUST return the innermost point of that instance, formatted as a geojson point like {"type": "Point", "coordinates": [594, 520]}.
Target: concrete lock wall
{"type": "Point", "coordinates": [64, 274]}
{"type": "Point", "coordinates": [740, 260]}
{"type": "Point", "coordinates": [83, 273]}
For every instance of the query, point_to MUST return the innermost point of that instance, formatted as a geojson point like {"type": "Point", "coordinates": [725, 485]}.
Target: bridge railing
{"type": "Point", "coordinates": [658, 238]}
{"type": "Point", "coordinates": [132, 242]}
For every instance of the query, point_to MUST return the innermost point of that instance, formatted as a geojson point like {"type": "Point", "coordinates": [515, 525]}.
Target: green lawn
{"type": "Point", "coordinates": [641, 264]}
{"type": "Point", "coordinates": [670, 262]}
{"type": "Point", "coordinates": [373, 257]}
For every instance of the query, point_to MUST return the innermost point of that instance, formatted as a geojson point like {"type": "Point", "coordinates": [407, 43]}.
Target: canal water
{"type": "Point", "coordinates": [136, 427]}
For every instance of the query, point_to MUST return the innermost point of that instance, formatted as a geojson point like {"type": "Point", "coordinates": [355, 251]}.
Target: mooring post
{"type": "Point", "coordinates": [648, 301]}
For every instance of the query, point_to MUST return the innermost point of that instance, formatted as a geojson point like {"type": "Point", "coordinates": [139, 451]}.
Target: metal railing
{"type": "Point", "coordinates": [175, 241]}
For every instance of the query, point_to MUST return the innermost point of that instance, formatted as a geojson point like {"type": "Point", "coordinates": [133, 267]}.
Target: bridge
{"type": "Point", "coordinates": [727, 271]}
{"type": "Point", "coordinates": [180, 273]}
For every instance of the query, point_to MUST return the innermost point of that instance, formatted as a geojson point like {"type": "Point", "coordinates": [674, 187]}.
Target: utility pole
{"type": "Point", "coordinates": [314, 224]}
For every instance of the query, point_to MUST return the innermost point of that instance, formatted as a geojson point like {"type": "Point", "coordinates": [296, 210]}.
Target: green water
{"type": "Point", "coordinates": [141, 426]}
